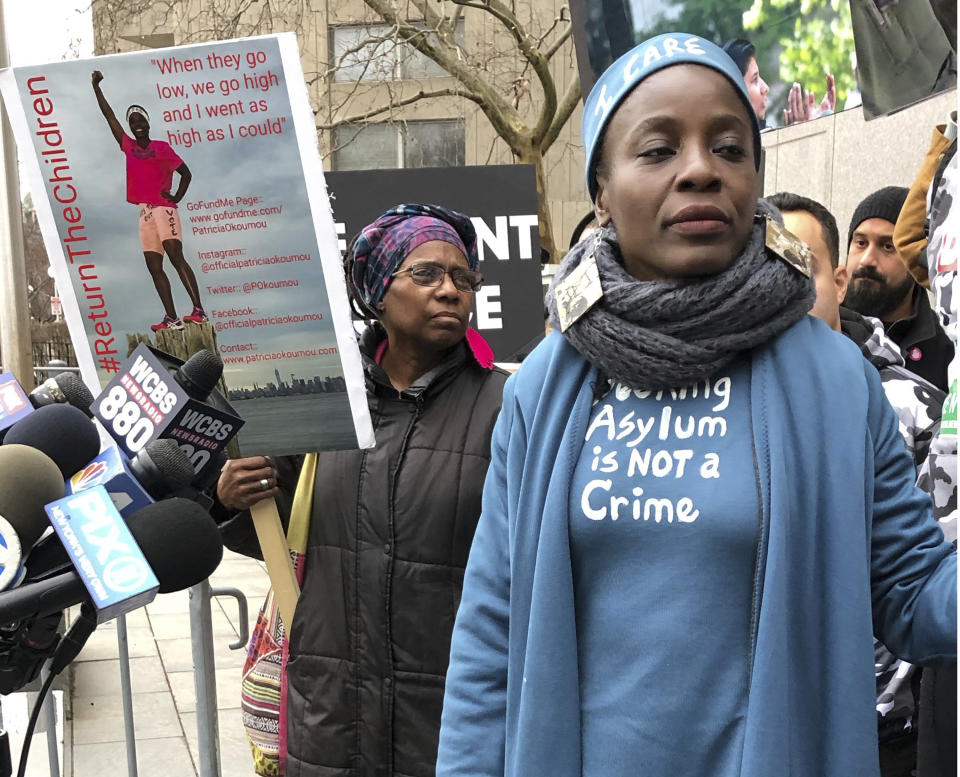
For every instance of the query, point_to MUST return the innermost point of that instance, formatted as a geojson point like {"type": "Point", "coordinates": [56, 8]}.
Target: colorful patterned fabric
{"type": "Point", "coordinates": [263, 684]}
{"type": "Point", "coordinates": [381, 247]}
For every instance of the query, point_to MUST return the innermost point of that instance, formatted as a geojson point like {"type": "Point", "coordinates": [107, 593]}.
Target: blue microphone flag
{"type": "Point", "coordinates": [104, 554]}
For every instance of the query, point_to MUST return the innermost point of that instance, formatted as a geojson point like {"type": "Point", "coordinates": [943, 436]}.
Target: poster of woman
{"type": "Point", "coordinates": [182, 200]}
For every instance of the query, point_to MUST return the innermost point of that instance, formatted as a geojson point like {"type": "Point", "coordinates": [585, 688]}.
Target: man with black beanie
{"type": "Point", "coordinates": [880, 286]}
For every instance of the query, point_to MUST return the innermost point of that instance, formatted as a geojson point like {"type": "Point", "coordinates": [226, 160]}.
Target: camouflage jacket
{"type": "Point", "coordinates": [918, 406]}
{"type": "Point", "coordinates": [917, 402]}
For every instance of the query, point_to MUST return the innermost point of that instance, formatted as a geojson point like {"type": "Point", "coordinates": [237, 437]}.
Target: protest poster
{"type": "Point", "coordinates": [110, 145]}
{"type": "Point", "coordinates": [502, 203]}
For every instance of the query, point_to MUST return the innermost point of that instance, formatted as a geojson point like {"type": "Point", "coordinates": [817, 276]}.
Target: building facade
{"type": "Point", "coordinates": [365, 84]}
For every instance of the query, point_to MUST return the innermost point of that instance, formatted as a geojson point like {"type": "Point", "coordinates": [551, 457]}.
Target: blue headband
{"type": "Point", "coordinates": [618, 80]}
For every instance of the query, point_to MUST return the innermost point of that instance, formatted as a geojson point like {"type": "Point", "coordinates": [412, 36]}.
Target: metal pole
{"type": "Point", "coordinates": [50, 716]}
{"type": "Point", "coordinates": [6, 760]}
{"type": "Point", "coordinates": [204, 680]}
{"type": "Point", "coordinates": [15, 347]}
{"type": "Point", "coordinates": [126, 695]}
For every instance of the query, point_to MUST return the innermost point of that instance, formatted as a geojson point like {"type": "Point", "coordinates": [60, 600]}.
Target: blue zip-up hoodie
{"type": "Point", "coordinates": [845, 535]}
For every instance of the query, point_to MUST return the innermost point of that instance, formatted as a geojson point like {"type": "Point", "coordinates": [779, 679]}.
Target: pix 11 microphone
{"type": "Point", "coordinates": [178, 539]}
{"type": "Point", "coordinates": [176, 572]}
{"type": "Point", "coordinates": [157, 471]}
{"type": "Point", "coordinates": [62, 432]}
{"type": "Point", "coordinates": [107, 561]}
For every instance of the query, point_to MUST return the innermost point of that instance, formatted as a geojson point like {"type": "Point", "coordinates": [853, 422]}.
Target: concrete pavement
{"type": "Point", "coordinates": [162, 679]}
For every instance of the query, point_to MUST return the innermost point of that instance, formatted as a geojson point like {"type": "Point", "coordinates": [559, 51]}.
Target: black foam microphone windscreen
{"type": "Point", "coordinates": [199, 374]}
{"type": "Point", "coordinates": [62, 432]}
{"type": "Point", "coordinates": [162, 467]}
{"type": "Point", "coordinates": [180, 541]}
{"type": "Point", "coordinates": [63, 388]}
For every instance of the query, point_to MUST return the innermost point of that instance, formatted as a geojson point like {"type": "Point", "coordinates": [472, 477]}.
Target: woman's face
{"type": "Point", "coordinates": [428, 318]}
{"type": "Point", "coordinates": [676, 174]}
{"type": "Point", "coordinates": [138, 125]}
{"type": "Point", "coordinates": [757, 88]}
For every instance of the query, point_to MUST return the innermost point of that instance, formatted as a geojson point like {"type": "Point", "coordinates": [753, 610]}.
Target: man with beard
{"type": "Point", "coordinates": [881, 286]}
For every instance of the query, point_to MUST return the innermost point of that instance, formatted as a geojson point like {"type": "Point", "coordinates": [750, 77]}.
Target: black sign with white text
{"type": "Point", "coordinates": [502, 202]}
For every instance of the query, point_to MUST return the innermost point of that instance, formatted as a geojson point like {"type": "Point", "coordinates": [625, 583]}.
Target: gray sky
{"type": "Point", "coordinates": [63, 31]}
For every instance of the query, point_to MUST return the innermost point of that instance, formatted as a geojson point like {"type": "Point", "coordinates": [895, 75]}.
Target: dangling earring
{"type": "Point", "coordinates": [596, 242]}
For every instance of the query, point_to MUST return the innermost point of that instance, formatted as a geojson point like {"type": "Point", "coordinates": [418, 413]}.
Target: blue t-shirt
{"type": "Point", "coordinates": [665, 522]}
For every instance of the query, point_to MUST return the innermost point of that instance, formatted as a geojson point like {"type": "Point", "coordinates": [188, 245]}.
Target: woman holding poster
{"type": "Point", "coordinates": [392, 525]}
{"type": "Point", "coordinates": [699, 506]}
{"type": "Point", "coordinates": [150, 168]}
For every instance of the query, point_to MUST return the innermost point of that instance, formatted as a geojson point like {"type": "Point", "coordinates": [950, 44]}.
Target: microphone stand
{"type": "Point", "coordinates": [6, 762]}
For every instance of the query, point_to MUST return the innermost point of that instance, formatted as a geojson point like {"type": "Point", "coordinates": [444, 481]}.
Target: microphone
{"type": "Point", "coordinates": [175, 572]}
{"type": "Point", "coordinates": [162, 468]}
{"type": "Point", "coordinates": [180, 540]}
{"type": "Point", "coordinates": [159, 470]}
{"type": "Point", "coordinates": [11, 556]}
{"type": "Point", "coordinates": [62, 432]}
{"type": "Point", "coordinates": [65, 388]}
{"type": "Point", "coordinates": [177, 538]}
{"type": "Point", "coordinates": [155, 396]}
{"type": "Point", "coordinates": [28, 481]}
{"type": "Point", "coordinates": [14, 402]}
{"type": "Point", "coordinates": [199, 374]}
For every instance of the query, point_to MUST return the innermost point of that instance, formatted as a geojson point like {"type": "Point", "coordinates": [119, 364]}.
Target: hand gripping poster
{"type": "Point", "coordinates": [183, 205]}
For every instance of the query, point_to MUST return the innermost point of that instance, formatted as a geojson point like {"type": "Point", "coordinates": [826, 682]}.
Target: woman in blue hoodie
{"type": "Point", "coordinates": [698, 508]}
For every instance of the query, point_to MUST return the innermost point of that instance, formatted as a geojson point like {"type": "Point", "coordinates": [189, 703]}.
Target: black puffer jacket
{"type": "Point", "coordinates": [389, 538]}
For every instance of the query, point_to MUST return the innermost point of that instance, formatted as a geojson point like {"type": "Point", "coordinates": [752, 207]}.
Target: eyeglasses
{"type": "Point", "coordinates": [431, 274]}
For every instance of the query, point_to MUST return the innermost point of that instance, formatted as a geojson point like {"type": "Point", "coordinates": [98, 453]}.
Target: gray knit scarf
{"type": "Point", "coordinates": [665, 334]}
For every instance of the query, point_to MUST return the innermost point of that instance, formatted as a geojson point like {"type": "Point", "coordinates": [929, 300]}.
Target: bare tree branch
{"type": "Point", "coordinates": [566, 107]}
{"type": "Point", "coordinates": [366, 78]}
{"type": "Point", "coordinates": [530, 52]}
{"type": "Point", "coordinates": [556, 22]}
{"type": "Point", "coordinates": [558, 43]}
{"type": "Point", "coordinates": [500, 113]}
{"type": "Point", "coordinates": [421, 95]}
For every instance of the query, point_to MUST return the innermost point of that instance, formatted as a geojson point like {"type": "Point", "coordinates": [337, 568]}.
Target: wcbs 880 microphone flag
{"type": "Point", "coordinates": [145, 402]}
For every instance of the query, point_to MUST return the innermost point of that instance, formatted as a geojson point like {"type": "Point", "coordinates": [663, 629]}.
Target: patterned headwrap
{"type": "Point", "coordinates": [381, 247]}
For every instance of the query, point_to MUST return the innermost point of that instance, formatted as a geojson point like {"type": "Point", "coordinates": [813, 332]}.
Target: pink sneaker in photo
{"type": "Point", "coordinates": [167, 323]}
{"type": "Point", "coordinates": [197, 316]}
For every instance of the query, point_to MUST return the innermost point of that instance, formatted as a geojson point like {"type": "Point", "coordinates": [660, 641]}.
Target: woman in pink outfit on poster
{"type": "Point", "coordinates": [150, 168]}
